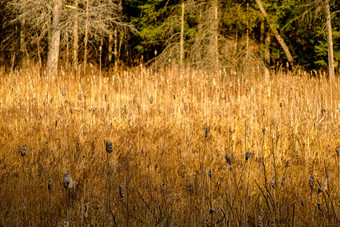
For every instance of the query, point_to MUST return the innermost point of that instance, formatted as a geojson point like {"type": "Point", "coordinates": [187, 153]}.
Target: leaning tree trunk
{"type": "Point", "coordinates": [276, 33]}
{"type": "Point", "coordinates": [330, 42]}
{"type": "Point", "coordinates": [215, 36]}
{"type": "Point", "coordinates": [75, 34]}
{"type": "Point", "coordinates": [53, 52]}
{"type": "Point", "coordinates": [181, 54]}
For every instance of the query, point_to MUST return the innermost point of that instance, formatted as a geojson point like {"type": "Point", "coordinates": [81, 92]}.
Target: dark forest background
{"type": "Point", "coordinates": [212, 35]}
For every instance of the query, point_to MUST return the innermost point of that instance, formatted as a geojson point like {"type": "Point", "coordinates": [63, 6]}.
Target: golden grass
{"type": "Point", "coordinates": [156, 122]}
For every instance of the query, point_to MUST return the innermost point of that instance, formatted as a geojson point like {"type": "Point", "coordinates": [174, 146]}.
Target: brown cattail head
{"type": "Point", "coordinates": [311, 182]}
{"type": "Point", "coordinates": [23, 151]}
{"type": "Point", "coordinates": [302, 202]}
{"type": "Point", "coordinates": [283, 183]}
{"type": "Point", "coordinates": [108, 146]}
{"type": "Point", "coordinates": [206, 132]}
{"type": "Point", "coordinates": [248, 154]}
{"type": "Point", "coordinates": [259, 221]}
{"type": "Point", "coordinates": [320, 189]}
{"type": "Point", "coordinates": [337, 150]}
{"type": "Point", "coordinates": [210, 174]}
{"type": "Point", "coordinates": [264, 129]}
{"type": "Point", "coordinates": [228, 159]}
{"type": "Point", "coordinates": [163, 185]}
{"type": "Point", "coordinates": [68, 182]}
{"type": "Point", "coordinates": [320, 207]}
{"type": "Point", "coordinates": [49, 185]}
{"type": "Point", "coordinates": [121, 192]}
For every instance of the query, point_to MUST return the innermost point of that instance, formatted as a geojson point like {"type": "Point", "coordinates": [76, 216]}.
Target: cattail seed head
{"type": "Point", "coordinates": [108, 146]}
{"type": "Point", "coordinates": [163, 185]}
{"type": "Point", "coordinates": [320, 189]}
{"type": "Point", "coordinates": [68, 182]}
{"type": "Point", "coordinates": [206, 132]}
{"type": "Point", "coordinates": [210, 174]}
{"type": "Point", "coordinates": [49, 185]}
{"type": "Point", "coordinates": [264, 129]}
{"type": "Point", "coordinates": [106, 97]}
{"type": "Point", "coordinates": [211, 211]}
{"type": "Point", "coordinates": [121, 192]}
{"type": "Point", "coordinates": [228, 159]}
{"type": "Point", "coordinates": [259, 221]}
{"type": "Point", "coordinates": [337, 150]}
{"type": "Point", "coordinates": [311, 182]}
{"type": "Point", "coordinates": [248, 154]}
{"type": "Point", "coordinates": [283, 183]}
{"type": "Point", "coordinates": [23, 151]}
{"type": "Point", "coordinates": [320, 207]}
{"type": "Point", "coordinates": [63, 91]}
{"type": "Point", "coordinates": [302, 202]}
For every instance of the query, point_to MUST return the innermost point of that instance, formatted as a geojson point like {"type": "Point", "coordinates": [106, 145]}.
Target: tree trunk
{"type": "Point", "coordinates": [276, 33]}
{"type": "Point", "coordinates": [110, 48]}
{"type": "Point", "coordinates": [181, 55]}
{"type": "Point", "coordinates": [116, 48]}
{"type": "Point", "coordinates": [330, 42]}
{"type": "Point", "coordinates": [53, 52]}
{"type": "Point", "coordinates": [215, 36]}
{"type": "Point", "coordinates": [86, 34]}
{"type": "Point", "coordinates": [75, 34]}
{"type": "Point", "coordinates": [267, 42]}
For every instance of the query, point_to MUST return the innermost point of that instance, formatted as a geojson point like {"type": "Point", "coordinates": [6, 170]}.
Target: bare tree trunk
{"type": "Point", "coordinates": [267, 42]}
{"type": "Point", "coordinates": [100, 56]}
{"type": "Point", "coordinates": [86, 34]}
{"type": "Point", "coordinates": [330, 42]}
{"type": "Point", "coordinates": [110, 48]}
{"type": "Point", "coordinates": [75, 33]}
{"type": "Point", "coordinates": [116, 48]}
{"type": "Point", "coordinates": [182, 38]}
{"type": "Point", "coordinates": [276, 33]}
{"type": "Point", "coordinates": [53, 52]}
{"type": "Point", "coordinates": [215, 36]}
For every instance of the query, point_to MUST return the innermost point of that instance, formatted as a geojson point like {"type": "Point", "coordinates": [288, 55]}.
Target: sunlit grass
{"type": "Point", "coordinates": [157, 124]}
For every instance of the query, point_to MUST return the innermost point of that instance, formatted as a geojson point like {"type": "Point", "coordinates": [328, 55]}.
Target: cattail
{"type": "Point", "coordinates": [211, 211]}
{"type": "Point", "coordinates": [68, 182]}
{"type": "Point", "coordinates": [206, 132]}
{"type": "Point", "coordinates": [337, 150]}
{"type": "Point", "coordinates": [49, 185]}
{"type": "Point", "coordinates": [259, 221]}
{"type": "Point", "coordinates": [320, 189]}
{"type": "Point", "coordinates": [106, 97]}
{"type": "Point", "coordinates": [283, 183]}
{"type": "Point", "coordinates": [228, 159]}
{"type": "Point", "coordinates": [84, 211]}
{"type": "Point", "coordinates": [63, 91]}
{"type": "Point", "coordinates": [23, 151]}
{"type": "Point", "coordinates": [264, 129]}
{"type": "Point", "coordinates": [248, 154]}
{"type": "Point", "coordinates": [210, 174]}
{"type": "Point", "coordinates": [151, 99]}
{"type": "Point", "coordinates": [163, 185]}
{"type": "Point", "coordinates": [320, 207]}
{"type": "Point", "coordinates": [108, 146]}
{"type": "Point", "coordinates": [302, 202]}
{"type": "Point", "coordinates": [311, 182]}
{"type": "Point", "coordinates": [121, 192]}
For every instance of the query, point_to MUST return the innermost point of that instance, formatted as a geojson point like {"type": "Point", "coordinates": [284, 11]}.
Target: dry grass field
{"type": "Point", "coordinates": [188, 149]}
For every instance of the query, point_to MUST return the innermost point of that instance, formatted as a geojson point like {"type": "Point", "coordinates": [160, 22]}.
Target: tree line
{"type": "Point", "coordinates": [203, 34]}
